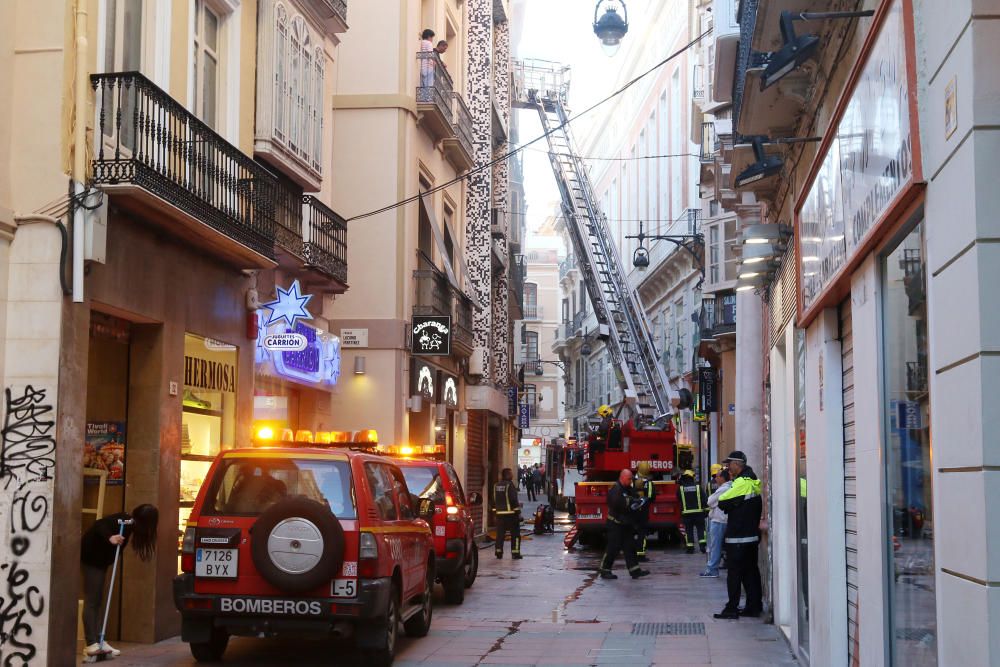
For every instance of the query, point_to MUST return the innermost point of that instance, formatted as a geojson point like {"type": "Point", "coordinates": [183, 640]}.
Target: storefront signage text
{"type": "Point", "coordinates": [292, 342]}
{"type": "Point", "coordinates": [524, 416]}
{"type": "Point", "coordinates": [431, 335]}
{"type": "Point", "coordinates": [865, 167]}
{"type": "Point", "coordinates": [211, 375]}
{"type": "Point", "coordinates": [354, 337]}
{"type": "Point", "coordinates": [314, 359]}
{"type": "Point", "coordinates": [511, 401]}
{"type": "Point", "coordinates": [708, 390]}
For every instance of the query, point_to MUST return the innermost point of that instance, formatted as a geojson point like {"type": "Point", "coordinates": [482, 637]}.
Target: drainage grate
{"type": "Point", "coordinates": [656, 629]}
{"type": "Point", "coordinates": [915, 634]}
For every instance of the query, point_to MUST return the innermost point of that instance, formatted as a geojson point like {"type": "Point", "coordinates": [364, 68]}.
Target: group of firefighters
{"type": "Point", "coordinates": [732, 502]}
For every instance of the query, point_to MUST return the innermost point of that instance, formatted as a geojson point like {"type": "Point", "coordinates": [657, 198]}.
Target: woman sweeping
{"type": "Point", "coordinates": [97, 553]}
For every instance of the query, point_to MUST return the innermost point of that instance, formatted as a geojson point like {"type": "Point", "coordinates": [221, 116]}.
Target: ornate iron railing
{"type": "Point", "coordinates": [433, 295]}
{"type": "Point", "coordinates": [718, 316]}
{"type": "Point", "coordinates": [288, 219]}
{"type": "Point", "coordinates": [435, 85]}
{"type": "Point", "coordinates": [338, 6]}
{"type": "Point", "coordinates": [461, 120]}
{"type": "Point", "coordinates": [708, 141]}
{"type": "Point", "coordinates": [567, 265]}
{"type": "Point", "coordinates": [532, 311]}
{"type": "Point", "coordinates": [148, 139]}
{"type": "Point", "coordinates": [324, 236]}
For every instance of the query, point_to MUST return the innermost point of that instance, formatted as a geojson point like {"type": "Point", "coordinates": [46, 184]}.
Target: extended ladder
{"type": "Point", "coordinates": [542, 86]}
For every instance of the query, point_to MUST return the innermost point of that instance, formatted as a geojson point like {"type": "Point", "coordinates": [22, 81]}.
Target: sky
{"type": "Point", "coordinates": [562, 31]}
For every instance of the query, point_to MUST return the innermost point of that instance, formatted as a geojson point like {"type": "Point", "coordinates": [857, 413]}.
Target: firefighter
{"type": "Point", "coordinates": [692, 510]}
{"type": "Point", "coordinates": [508, 512]}
{"type": "Point", "coordinates": [644, 488]}
{"type": "Point", "coordinates": [623, 504]}
{"type": "Point", "coordinates": [604, 428]}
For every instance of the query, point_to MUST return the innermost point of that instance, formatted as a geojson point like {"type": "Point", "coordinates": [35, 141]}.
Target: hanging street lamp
{"type": "Point", "coordinates": [610, 28]}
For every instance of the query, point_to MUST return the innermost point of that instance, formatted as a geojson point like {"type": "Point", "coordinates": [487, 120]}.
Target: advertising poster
{"type": "Point", "coordinates": [104, 449]}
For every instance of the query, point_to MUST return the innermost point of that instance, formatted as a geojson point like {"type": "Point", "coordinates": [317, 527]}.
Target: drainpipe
{"type": "Point", "coordinates": [79, 146]}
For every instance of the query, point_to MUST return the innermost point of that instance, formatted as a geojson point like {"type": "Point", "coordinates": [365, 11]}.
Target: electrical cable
{"type": "Point", "coordinates": [515, 151]}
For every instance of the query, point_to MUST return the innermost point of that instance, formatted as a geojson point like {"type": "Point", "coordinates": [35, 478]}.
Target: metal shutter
{"type": "Point", "coordinates": [784, 295]}
{"type": "Point", "coordinates": [475, 465]}
{"type": "Point", "coordinates": [850, 479]}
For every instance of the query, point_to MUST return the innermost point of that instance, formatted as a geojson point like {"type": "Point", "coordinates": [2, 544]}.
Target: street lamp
{"type": "Point", "coordinates": [795, 50]}
{"type": "Point", "coordinates": [767, 165]}
{"type": "Point", "coordinates": [689, 242]}
{"type": "Point", "coordinates": [610, 28]}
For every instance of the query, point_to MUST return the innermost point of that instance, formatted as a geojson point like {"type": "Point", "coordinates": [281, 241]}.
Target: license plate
{"type": "Point", "coordinates": [586, 517]}
{"type": "Point", "coordinates": [345, 588]}
{"type": "Point", "coordinates": [216, 563]}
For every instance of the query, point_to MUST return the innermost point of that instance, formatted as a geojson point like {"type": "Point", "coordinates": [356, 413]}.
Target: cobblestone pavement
{"type": "Point", "coordinates": [549, 609]}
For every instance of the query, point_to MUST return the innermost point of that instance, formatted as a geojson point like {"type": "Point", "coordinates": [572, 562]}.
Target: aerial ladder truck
{"type": "Point", "coordinates": [645, 433]}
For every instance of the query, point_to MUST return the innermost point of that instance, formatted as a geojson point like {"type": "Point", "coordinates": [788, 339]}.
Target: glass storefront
{"type": "Point", "coordinates": [908, 455]}
{"type": "Point", "coordinates": [801, 522]}
{"type": "Point", "coordinates": [208, 419]}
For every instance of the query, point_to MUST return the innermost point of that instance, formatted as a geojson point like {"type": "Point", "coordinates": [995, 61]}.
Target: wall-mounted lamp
{"type": "Point", "coordinates": [765, 233]}
{"type": "Point", "coordinates": [759, 253]}
{"type": "Point", "coordinates": [796, 50]}
{"type": "Point", "coordinates": [764, 167]}
{"type": "Point", "coordinates": [745, 284]}
{"type": "Point", "coordinates": [359, 365]}
{"type": "Point", "coordinates": [416, 403]}
{"type": "Point", "coordinates": [463, 418]}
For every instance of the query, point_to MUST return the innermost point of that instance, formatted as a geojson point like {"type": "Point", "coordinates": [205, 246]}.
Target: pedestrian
{"type": "Point", "coordinates": [536, 483]}
{"type": "Point", "coordinates": [716, 522]}
{"type": "Point", "coordinates": [644, 488]}
{"type": "Point", "coordinates": [98, 547]}
{"type": "Point", "coordinates": [743, 505]}
{"type": "Point", "coordinates": [690, 496]}
{"type": "Point", "coordinates": [508, 511]}
{"type": "Point", "coordinates": [427, 62]}
{"type": "Point", "coordinates": [623, 503]}
{"type": "Point", "coordinates": [440, 50]}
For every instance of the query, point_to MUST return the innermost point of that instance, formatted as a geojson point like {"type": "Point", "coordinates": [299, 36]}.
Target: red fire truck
{"type": "Point", "coordinates": [629, 447]}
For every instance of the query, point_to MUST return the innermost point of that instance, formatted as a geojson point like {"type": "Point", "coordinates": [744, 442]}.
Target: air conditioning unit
{"type": "Point", "coordinates": [477, 362]}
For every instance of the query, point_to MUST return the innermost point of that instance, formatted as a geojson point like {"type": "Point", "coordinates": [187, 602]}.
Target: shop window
{"type": "Point", "coordinates": [801, 524]}
{"type": "Point", "coordinates": [208, 406]}
{"type": "Point", "coordinates": [908, 455]}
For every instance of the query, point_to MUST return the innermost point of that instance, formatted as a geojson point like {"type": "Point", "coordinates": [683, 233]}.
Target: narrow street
{"type": "Point", "coordinates": [548, 609]}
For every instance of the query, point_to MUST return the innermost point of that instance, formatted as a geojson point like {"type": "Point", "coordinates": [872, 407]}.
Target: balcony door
{"type": "Point", "coordinates": [121, 51]}
{"type": "Point", "coordinates": [530, 301]}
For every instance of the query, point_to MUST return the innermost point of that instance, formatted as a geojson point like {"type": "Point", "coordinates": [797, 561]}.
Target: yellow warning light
{"type": "Point", "coordinates": [265, 433]}
{"type": "Point", "coordinates": [406, 450]}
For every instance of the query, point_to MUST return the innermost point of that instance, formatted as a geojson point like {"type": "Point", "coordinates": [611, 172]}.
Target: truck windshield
{"type": "Point", "coordinates": [248, 486]}
{"type": "Point", "coordinates": [425, 482]}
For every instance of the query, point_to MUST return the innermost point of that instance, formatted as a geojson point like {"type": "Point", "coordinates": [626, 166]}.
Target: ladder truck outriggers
{"type": "Point", "coordinates": [645, 433]}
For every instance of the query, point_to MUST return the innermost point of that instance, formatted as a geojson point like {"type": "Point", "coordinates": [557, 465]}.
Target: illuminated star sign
{"type": "Point", "coordinates": [289, 306]}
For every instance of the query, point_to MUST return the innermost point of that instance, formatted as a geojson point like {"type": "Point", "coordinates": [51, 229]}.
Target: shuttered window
{"type": "Point", "coordinates": [850, 478]}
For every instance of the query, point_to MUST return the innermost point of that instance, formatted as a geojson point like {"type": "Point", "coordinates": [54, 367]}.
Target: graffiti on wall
{"type": "Point", "coordinates": [27, 459]}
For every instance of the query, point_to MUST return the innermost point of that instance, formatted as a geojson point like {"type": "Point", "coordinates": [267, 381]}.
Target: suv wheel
{"type": "Point", "coordinates": [297, 545]}
{"type": "Point", "coordinates": [471, 564]}
{"type": "Point", "coordinates": [420, 623]}
{"type": "Point", "coordinates": [212, 650]}
{"type": "Point", "coordinates": [385, 651]}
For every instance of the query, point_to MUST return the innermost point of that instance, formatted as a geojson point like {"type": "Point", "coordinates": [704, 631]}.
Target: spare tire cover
{"type": "Point", "coordinates": [297, 545]}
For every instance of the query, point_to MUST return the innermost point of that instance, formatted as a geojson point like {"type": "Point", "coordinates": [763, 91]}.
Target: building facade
{"type": "Point", "coordinates": [158, 209]}
{"type": "Point", "coordinates": [875, 236]}
{"type": "Point", "coordinates": [424, 130]}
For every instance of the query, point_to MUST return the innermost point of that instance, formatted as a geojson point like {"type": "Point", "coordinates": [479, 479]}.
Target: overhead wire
{"type": "Point", "coordinates": [514, 151]}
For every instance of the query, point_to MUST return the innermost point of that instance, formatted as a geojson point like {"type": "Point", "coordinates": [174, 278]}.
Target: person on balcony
{"type": "Point", "coordinates": [427, 63]}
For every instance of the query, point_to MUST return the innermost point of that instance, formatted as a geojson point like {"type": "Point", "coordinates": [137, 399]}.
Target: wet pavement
{"type": "Point", "coordinates": [548, 609]}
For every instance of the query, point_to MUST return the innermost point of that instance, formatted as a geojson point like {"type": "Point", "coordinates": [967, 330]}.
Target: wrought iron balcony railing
{"type": "Point", "coordinates": [461, 120]}
{"type": "Point", "coordinates": [532, 311]}
{"type": "Point", "coordinates": [339, 7]}
{"type": "Point", "coordinates": [709, 142]}
{"type": "Point", "coordinates": [435, 85]}
{"type": "Point", "coordinates": [435, 295]}
{"type": "Point", "coordinates": [718, 316]}
{"type": "Point", "coordinates": [149, 140]}
{"type": "Point", "coordinates": [566, 265]}
{"type": "Point", "coordinates": [324, 236]}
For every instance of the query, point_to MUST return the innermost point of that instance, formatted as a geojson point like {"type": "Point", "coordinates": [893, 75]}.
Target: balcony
{"type": "Point", "coordinates": [567, 265]}
{"type": "Point", "coordinates": [532, 311]}
{"type": "Point", "coordinates": [718, 317]}
{"type": "Point", "coordinates": [335, 14]}
{"type": "Point", "coordinates": [162, 163]}
{"type": "Point", "coordinates": [435, 295]}
{"type": "Point", "coordinates": [311, 240]}
{"type": "Point", "coordinates": [709, 142]}
{"type": "Point", "coordinates": [458, 148]}
{"type": "Point", "coordinates": [518, 272]}
{"type": "Point", "coordinates": [434, 96]}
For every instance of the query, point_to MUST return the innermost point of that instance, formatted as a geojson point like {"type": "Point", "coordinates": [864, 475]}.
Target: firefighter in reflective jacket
{"type": "Point", "coordinates": [623, 504]}
{"type": "Point", "coordinates": [508, 511]}
{"type": "Point", "coordinates": [644, 489]}
{"type": "Point", "coordinates": [692, 510]}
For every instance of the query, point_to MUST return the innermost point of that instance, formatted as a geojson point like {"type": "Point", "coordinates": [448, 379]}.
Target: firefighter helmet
{"type": "Point", "coordinates": [604, 411]}
{"type": "Point", "coordinates": [688, 473]}
{"type": "Point", "coordinates": [716, 468]}
{"type": "Point", "coordinates": [643, 469]}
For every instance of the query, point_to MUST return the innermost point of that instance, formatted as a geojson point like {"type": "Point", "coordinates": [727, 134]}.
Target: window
{"type": "Point", "coordinates": [714, 251]}
{"type": "Point", "coordinates": [206, 63]}
{"type": "Point", "coordinates": [298, 89]}
{"type": "Point", "coordinates": [424, 482]}
{"type": "Point", "coordinates": [664, 164]}
{"type": "Point", "coordinates": [456, 485]}
{"type": "Point", "coordinates": [676, 146]}
{"type": "Point", "coordinates": [650, 198]}
{"type": "Point", "coordinates": [380, 486]}
{"type": "Point", "coordinates": [123, 28]}
{"type": "Point", "coordinates": [908, 454]}
{"type": "Point", "coordinates": [449, 244]}
{"type": "Point", "coordinates": [248, 486]}
{"type": "Point", "coordinates": [530, 346]}
{"type": "Point", "coordinates": [641, 185]}
{"type": "Point", "coordinates": [530, 300]}
{"type": "Point", "coordinates": [531, 399]}
{"type": "Point", "coordinates": [402, 493]}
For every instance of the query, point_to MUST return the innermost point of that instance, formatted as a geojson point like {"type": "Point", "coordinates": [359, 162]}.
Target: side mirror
{"type": "Point", "coordinates": [426, 508]}
{"type": "Point", "coordinates": [475, 499]}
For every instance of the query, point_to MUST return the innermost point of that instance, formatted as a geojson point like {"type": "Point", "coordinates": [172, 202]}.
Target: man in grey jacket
{"type": "Point", "coordinates": [716, 524]}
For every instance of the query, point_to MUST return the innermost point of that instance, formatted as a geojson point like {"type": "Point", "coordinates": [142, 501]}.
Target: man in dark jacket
{"type": "Point", "coordinates": [508, 514]}
{"type": "Point", "coordinates": [742, 505]}
{"type": "Point", "coordinates": [623, 507]}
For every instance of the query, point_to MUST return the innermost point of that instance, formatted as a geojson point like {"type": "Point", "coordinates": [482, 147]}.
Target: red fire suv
{"type": "Point", "coordinates": [310, 541]}
{"type": "Point", "coordinates": [457, 554]}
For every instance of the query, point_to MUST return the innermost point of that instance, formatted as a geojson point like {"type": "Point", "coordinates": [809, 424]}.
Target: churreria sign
{"type": "Point", "coordinates": [867, 164]}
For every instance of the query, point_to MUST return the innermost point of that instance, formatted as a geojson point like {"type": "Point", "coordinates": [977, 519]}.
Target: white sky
{"type": "Point", "coordinates": [562, 31]}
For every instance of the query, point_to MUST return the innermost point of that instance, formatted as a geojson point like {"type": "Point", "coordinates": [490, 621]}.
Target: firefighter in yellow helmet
{"type": "Point", "coordinates": [692, 501]}
{"type": "Point", "coordinates": [643, 484]}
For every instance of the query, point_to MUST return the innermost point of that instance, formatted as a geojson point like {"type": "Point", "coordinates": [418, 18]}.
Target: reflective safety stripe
{"type": "Point", "coordinates": [742, 540]}
{"type": "Point", "coordinates": [684, 491]}
{"type": "Point", "coordinates": [506, 512]}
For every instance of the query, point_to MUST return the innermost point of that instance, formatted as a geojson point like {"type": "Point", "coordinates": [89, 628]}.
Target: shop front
{"type": "Point", "coordinates": [433, 425]}
{"type": "Point", "coordinates": [861, 402]}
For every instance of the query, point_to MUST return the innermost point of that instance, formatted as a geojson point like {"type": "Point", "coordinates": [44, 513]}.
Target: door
{"type": "Point", "coordinates": [475, 467]}
{"type": "Point", "coordinates": [410, 534]}
{"type": "Point", "coordinates": [850, 479]}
